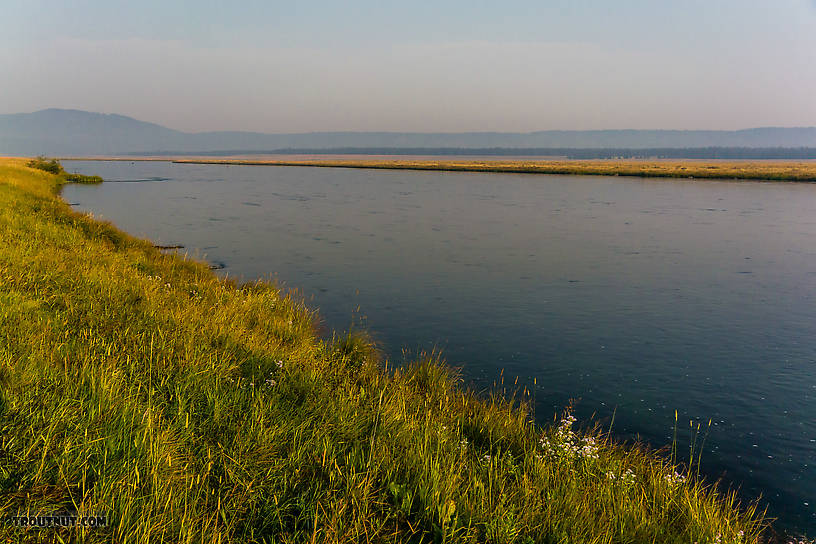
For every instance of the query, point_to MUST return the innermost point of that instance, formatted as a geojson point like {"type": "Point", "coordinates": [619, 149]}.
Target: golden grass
{"type": "Point", "coordinates": [748, 170]}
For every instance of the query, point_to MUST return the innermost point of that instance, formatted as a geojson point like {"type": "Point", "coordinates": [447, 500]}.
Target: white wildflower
{"type": "Point", "coordinates": [566, 444]}
{"type": "Point", "coordinates": [675, 478]}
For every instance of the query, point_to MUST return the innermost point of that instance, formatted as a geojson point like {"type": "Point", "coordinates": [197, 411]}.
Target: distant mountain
{"type": "Point", "coordinates": [73, 132]}
{"type": "Point", "coordinates": [60, 132]}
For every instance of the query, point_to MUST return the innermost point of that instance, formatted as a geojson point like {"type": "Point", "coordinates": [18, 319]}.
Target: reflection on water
{"type": "Point", "coordinates": [633, 296]}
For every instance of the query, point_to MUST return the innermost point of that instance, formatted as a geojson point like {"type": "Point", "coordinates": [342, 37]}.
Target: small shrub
{"type": "Point", "coordinates": [52, 166]}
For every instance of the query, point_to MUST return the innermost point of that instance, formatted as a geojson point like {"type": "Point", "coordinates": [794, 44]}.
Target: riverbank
{"type": "Point", "coordinates": [803, 171]}
{"type": "Point", "coordinates": [186, 407]}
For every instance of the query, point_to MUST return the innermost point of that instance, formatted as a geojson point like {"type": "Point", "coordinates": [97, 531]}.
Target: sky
{"type": "Point", "coordinates": [419, 66]}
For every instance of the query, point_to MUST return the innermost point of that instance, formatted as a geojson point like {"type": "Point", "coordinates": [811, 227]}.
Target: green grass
{"type": "Point", "coordinates": [193, 409]}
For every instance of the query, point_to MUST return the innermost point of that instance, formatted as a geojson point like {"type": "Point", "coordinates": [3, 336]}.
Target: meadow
{"type": "Point", "coordinates": [733, 170]}
{"type": "Point", "coordinates": [187, 408]}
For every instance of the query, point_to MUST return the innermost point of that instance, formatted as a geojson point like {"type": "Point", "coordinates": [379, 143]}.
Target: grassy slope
{"type": "Point", "coordinates": [192, 409]}
{"type": "Point", "coordinates": [758, 170]}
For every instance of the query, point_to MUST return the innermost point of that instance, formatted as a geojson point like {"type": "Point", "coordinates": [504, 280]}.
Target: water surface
{"type": "Point", "coordinates": [631, 296]}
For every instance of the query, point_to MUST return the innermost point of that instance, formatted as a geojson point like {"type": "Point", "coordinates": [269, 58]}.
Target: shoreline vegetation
{"type": "Point", "coordinates": [724, 170]}
{"type": "Point", "coordinates": [53, 166]}
{"type": "Point", "coordinates": [136, 384]}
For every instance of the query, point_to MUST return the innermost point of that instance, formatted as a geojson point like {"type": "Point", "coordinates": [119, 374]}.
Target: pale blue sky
{"type": "Point", "coordinates": [514, 65]}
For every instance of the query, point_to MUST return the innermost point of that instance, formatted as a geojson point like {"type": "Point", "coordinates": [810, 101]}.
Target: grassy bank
{"type": "Point", "coordinates": [192, 409]}
{"type": "Point", "coordinates": [758, 171]}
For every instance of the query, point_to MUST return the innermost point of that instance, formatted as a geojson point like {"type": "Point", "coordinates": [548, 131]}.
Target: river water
{"type": "Point", "coordinates": [633, 297]}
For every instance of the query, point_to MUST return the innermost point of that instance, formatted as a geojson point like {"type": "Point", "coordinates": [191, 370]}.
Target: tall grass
{"type": "Point", "coordinates": [193, 409]}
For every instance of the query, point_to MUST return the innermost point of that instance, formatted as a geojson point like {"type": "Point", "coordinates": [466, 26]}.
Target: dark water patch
{"type": "Point", "coordinates": [295, 197]}
{"type": "Point", "coordinates": [152, 179]}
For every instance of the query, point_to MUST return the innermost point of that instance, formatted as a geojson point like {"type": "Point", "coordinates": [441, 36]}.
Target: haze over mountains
{"type": "Point", "coordinates": [73, 132]}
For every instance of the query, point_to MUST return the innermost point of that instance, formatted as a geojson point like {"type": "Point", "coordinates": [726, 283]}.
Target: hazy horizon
{"type": "Point", "coordinates": [608, 129]}
{"type": "Point", "coordinates": [458, 67]}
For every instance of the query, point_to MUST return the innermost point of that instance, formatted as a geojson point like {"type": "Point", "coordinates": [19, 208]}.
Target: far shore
{"type": "Point", "coordinates": [754, 170]}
